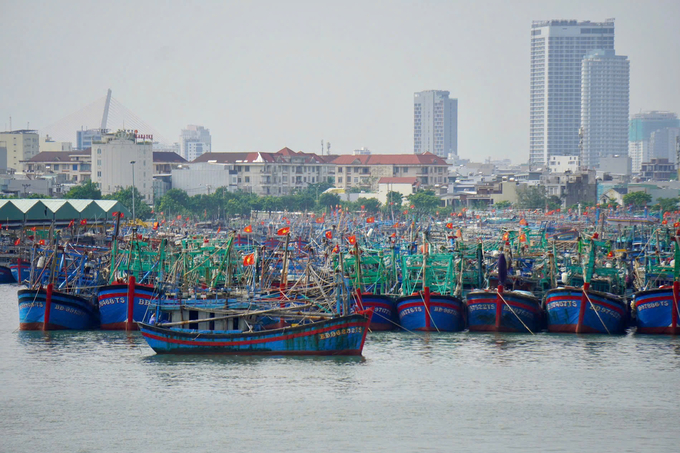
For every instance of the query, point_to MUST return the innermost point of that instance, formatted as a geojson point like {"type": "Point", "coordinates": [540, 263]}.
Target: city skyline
{"type": "Point", "coordinates": [306, 72]}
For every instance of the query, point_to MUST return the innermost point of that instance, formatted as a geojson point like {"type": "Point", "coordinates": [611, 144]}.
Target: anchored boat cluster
{"type": "Point", "coordinates": [302, 285]}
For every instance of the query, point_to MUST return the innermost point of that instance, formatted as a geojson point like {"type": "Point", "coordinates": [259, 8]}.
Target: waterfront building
{"type": "Point", "coordinates": [364, 172]}
{"type": "Point", "coordinates": [21, 145]}
{"type": "Point", "coordinates": [279, 173]}
{"type": "Point", "coordinates": [194, 141]}
{"type": "Point", "coordinates": [652, 126]}
{"type": "Point", "coordinates": [557, 48]}
{"type": "Point", "coordinates": [435, 124]}
{"type": "Point", "coordinates": [72, 166]}
{"type": "Point", "coordinates": [605, 86]}
{"type": "Point", "coordinates": [113, 167]}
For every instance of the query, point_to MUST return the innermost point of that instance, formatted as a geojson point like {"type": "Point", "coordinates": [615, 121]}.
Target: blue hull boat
{"type": "Point", "coordinates": [575, 310]}
{"type": "Point", "coordinates": [6, 275]}
{"type": "Point", "coordinates": [25, 270]}
{"type": "Point", "coordinates": [510, 311]}
{"type": "Point", "coordinates": [657, 311]}
{"type": "Point", "coordinates": [344, 335]}
{"type": "Point", "coordinates": [384, 311]}
{"type": "Point", "coordinates": [431, 312]}
{"type": "Point", "coordinates": [63, 312]}
{"type": "Point", "coordinates": [114, 309]}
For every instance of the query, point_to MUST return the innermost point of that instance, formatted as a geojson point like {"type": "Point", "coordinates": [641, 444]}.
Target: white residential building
{"type": "Point", "coordinates": [112, 167]}
{"type": "Point", "coordinates": [49, 145]}
{"type": "Point", "coordinates": [435, 124]}
{"type": "Point", "coordinates": [605, 87]}
{"type": "Point", "coordinates": [21, 145]}
{"type": "Point", "coordinates": [557, 48]}
{"type": "Point", "coordinates": [561, 164]}
{"type": "Point", "coordinates": [194, 141]}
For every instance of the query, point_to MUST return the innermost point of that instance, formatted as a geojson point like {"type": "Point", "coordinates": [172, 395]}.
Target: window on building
{"type": "Point", "coordinates": [339, 179]}
{"type": "Point", "coordinates": [247, 168]}
{"type": "Point", "coordinates": [247, 177]}
{"type": "Point", "coordinates": [99, 174]}
{"type": "Point", "coordinates": [75, 167]}
{"type": "Point", "coordinates": [339, 169]}
{"type": "Point", "coordinates": [56, 166]}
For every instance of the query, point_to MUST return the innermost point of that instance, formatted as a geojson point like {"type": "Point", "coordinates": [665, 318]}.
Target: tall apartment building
{"type": "Point", "coordinates": [194, 141]}
{"type": "Point", "coordinates": [651, 136]}
{"type": "Point", "coordinates": [557, 49]}
{"type": "Point", "coordinates": [605, 87]}
{"type": "Point", "coordinates": [435, 124]}
{"type": "Point", "coordinates": [21, 145]}
{"type": "Point", "coordinates": [112, 168]}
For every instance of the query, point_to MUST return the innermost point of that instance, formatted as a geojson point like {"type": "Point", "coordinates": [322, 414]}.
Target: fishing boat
{"type": "Point", "coordinates": [49, 309]}
{"type": "Point", "coordinates": [115, 311]}
{"type": "Point", "coordinates": [503, 311]}
{"type": "Point", "coordinates": [384, 308]}
{"type": "Point", "coordinates": [430, 301]}
{"type": "Point", "coordinates": [581, 309]}
{"type": "Point", "coordinates": [342, 335]}
{"type": "Point", "coordinates": [656, 309]}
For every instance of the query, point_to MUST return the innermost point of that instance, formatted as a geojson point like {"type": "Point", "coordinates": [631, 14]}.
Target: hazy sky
{"type": "Point", "coordinates": [262, 75]}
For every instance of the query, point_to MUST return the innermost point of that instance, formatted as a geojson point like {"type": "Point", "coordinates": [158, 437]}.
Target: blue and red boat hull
{"type": "Point", "coordinates": [431, 312]}
{"type": "Point", "coordinates": [657, 311]}
{"type": "Point", "coordinates": [66, 311]}
{"type": "Point", "coordinates": [25, 272]}
{"type": "Point", "coordinates": [384, 311]}
{"type": "Point", "coordinates": [6, 275]}
{"type": "Point", "coordinates": [113, 305]}
{"type": "Point", "coordinates": [339, 336]}
{"type": "Point", "coordinates": [573, 310]}
{"type": "Point", "coordinates": [511, 311]}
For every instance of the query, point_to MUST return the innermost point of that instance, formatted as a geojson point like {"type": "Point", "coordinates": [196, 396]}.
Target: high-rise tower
{"type": "Point", "coordinates": [605, 86]}
{"type": "Point", "coordinates": [557, 49]}
{"type": "Point", "coordinates": [435, 123]}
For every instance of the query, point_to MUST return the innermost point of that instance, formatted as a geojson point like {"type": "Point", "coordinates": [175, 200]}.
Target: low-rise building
{"type": "Point", "coordinates": [365, 171]}
{"type": "Point", "coordinates": [404, 186]}
{"type": "Point", "coordinates": [658, 170]}
{"type": "Point", "coordinates": [76, 166]}
{"type": "Point", "coordinates": [572, 188]}
{"type": "Point", "coordinates": [560, 164]}
{"type": "Point", "coordinates": [279, 173]}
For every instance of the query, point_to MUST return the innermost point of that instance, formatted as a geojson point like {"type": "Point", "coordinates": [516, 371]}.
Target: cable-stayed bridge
{"type": "Point", "coordinates": [104, 113]}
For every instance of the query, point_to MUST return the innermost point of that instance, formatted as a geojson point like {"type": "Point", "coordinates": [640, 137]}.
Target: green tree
{"type": "Point", "coordinates": [531, 197]}
{"type": "Point", "coordinates": [175, 201]}
{"type": "Point", "coordinates": [87, 190]}
{"type": "Point", "coordinates": [637, 199]}
{"type": "Point", "coordinates": [425, 201]}
{"type": "Point", "coordinates": [667, 204]}
{"type": "Point", "coordinates": [395, 197]}
{"type": "Point", "coordinates": [124, 196]}
{"type": "Point", "coordinates": [328, 200]}
{"type": "Point", "coordinates": [505, 204]}
{"type": "Point", "coordinates": [371, 205]}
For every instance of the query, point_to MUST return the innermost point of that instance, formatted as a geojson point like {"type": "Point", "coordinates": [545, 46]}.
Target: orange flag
{"type": "Point", "coordinates": [248, 229]}
{"type": "Point", "coordinates": [370, 220]}
{"type": "Point", "coordinates": [329, 234]}
{"type": "Point", "coordinates": [336, 249]}
{"type": "Point", "coordinates": [283, 231]}
{"type": "Point", "coordinates": [352, 239]}
{"type": "Point", "coordinates": [523, 222]}
{"type": "Point", "coordinates": [319, 220]}
{"type": "Point", "coordinates": [83, 222]}
{"type": "Point", "coordinates": [249, 260]}
{"type": "Point", "coordinates": [219, 229]}
{"type": "Point", "coordinates": [449, 226]}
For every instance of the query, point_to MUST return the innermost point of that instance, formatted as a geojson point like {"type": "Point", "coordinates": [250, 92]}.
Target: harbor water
{"type": "Point", "coordinates": [108, 392]}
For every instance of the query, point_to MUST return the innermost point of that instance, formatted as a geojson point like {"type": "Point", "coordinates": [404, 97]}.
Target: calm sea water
{"type": "Point", "coordinates": [108, 392]}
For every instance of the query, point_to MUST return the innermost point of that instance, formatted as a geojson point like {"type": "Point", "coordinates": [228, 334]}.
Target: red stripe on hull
{"type": "Point", "coordinates": [119, 326]}
{"type": "Point", "coordinates": [259, 341]}
{"type": "Point", "coordinates": [490, 328]}
{"type": "Point", "coordinates": [346, 352]}
{"type": "Point", "coordinates": [659, 330]}
{"type": "Point", "coordinates": [39, 326]}
{"type": "Point", "coordinates": [571, 328]}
